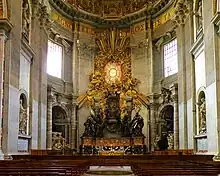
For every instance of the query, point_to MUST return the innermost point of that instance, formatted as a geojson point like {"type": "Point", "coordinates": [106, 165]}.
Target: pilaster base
{"type": "Point", "coordinates": [216, 158]}
{"type": "Point", "coordinates": [5, 156]}
{"type": "Point", "coordinates": [2, 156]}
{"type": "Point", "coordinates": [8, 157]}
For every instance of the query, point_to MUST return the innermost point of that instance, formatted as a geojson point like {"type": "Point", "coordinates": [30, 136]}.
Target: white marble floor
{"type": "Point", "coordinates": [109, 170]}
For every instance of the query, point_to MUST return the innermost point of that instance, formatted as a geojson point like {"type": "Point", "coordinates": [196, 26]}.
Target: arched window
{"type": "Point", "coordinates": [170, 58]}
{"type": "Point", "coordinates": [54, 59]}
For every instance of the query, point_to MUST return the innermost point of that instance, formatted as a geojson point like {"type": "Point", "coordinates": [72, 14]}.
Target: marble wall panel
{"type": "Point", "coordinates": [24, 78]}
{"type": "Point", "coordinates": [190, 124]}
{"type": "Point", "coordinates": [34, 125]}
{"type": "Point", "coordinates": [208, 42]}
{"type": "Point", "coordinates": [43, 126]}
{"type": "Point", "coordinates": [85, 69]}
{"type": "Point", "coordinates": [181, 126]}
{"type": "Point", "coordinates": [200, 71]}
{"type": "Point", "coordinates": [211, 118]}
{"type": "Point", "coordinates": [13, 119]}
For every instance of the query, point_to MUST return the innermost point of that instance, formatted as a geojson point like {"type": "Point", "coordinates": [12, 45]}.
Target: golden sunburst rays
{"type": "Point", "coordinates": [113, 40]}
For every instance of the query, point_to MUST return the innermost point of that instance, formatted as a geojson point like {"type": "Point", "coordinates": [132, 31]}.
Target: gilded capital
{"type": "Point", "coordinates": [181, 12]}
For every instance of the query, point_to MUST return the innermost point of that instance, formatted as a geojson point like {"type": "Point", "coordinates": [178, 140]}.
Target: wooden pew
{"type": "Point", "coordinates": [154, 168]}
{"type": "Point", "coordinates": [42, 167]}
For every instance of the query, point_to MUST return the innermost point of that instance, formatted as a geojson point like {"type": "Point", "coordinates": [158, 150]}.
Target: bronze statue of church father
{"type": "Point", "coordinates": [109, 134]}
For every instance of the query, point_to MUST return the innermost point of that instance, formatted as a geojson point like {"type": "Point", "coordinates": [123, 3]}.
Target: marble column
{"type": "Point", "coordinates": [5, 27]}
{"type": "Point", "coordinates": [152, 125]}
{"type": "Point", "coordinates": [174, 90]}
{"type": "Point", "coordinates": [49, 117]}
{"type": "Point", "coordinates": [73, 141]}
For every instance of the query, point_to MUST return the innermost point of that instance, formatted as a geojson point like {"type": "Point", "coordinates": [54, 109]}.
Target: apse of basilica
{"type": "Point", "coordinates": [109, 77]}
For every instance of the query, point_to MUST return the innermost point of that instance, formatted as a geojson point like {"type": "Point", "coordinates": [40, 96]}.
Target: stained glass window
{"type": "Point", "coordinates": [170, 58]}
{"type": "Point", "coordinates": [54, 59]}
{"type": "Point", "coordinates": [113, 72]}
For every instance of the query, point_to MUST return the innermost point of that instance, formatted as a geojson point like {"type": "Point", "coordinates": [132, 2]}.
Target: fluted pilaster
{"type": "Point", "coordinates": [73, 141]}
{"type": "Point", "coordinates": [49, 117]}
{"type": "Point", "coordinates": [153, 107]}
{"type": "Point", "coordinates": [174, 90]}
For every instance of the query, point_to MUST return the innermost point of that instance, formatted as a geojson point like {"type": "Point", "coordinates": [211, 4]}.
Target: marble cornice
{"type": "Point", "coordinates": [216, 21]}
{"type": "Point", "coordinates": [5, 27]}
{"type": "Point", "coordinates": [73, 13]}
{"type": "Point", "coordinates": [199, 43]}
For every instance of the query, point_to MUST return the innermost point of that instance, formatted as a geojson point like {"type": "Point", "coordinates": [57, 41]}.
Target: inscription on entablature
{"type": "Point", "coordinates": [84, 28]}
{"type": "Point", "coordinates": [61, 20]}
{"type": "Point", "coordinates": [68, 24]}
{"type": "Point", "coordinates": [163, 18]}
{"type": "Point", "coordinates": [138, 28]}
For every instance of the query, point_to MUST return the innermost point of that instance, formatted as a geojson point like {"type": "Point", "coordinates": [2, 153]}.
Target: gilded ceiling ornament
{"type": "Point", "coordinates": [116, 8]}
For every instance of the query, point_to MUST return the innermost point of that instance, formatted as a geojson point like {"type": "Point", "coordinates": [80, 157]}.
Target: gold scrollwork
{"type": "Point", "coordinates": [114, 48]}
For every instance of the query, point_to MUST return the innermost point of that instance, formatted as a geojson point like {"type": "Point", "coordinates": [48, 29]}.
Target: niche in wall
{"type": "Point", "coordinates": [165, 134]}
{"type": "Point", "coordinates": [23, 115]}
{"type": "Point", "coordinates": [23, 133]}
{"type": "Point", "coordinates": [201, 137]}
{"type": "Point", "coordinates": [60, 123]}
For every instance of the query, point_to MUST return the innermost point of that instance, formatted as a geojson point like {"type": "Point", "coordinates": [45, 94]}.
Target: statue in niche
{"type": "Point", "coordinates": [22, 117]}
{"type": "Point", "coordinates": [166, 95]}
{"type": "Point", "coordinates": [137, 125]}
{"type": "Point", "coordinates": [202, 116]}
{"type": "Point", "coordinates": [26, 19]}
{"type": "Point", "coordinates": [199, 16]}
